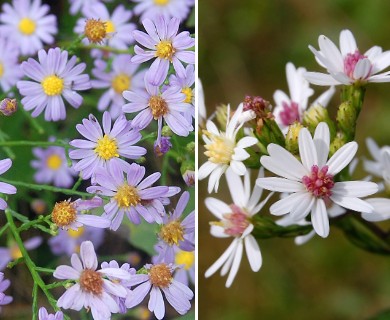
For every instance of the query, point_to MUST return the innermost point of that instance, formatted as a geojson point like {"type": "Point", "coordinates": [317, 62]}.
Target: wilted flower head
{"type": "Point", "coordinates": [8, 106]}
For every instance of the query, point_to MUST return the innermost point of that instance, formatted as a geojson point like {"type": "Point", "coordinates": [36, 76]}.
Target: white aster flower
{"type": "Point", "coordinates": [235, 221]}
{"type": "Point", "coordinates": [377, 166]}
{"type": "Point", "coordinates": [347, 65]}
{"type": "Point", "coordinates": [223, 151]}
{"type": "Point", "coordinates": [381, 210]}
{"type": "Point", "coordinates": [289, 109]}
{"type": "Point", "coordinates": [311, 181]}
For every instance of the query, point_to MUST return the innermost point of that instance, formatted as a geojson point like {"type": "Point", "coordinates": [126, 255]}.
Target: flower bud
{"type": "Point", "coordinates": [163, 147]}
{"type": "Point", "coordinates": [190, 147]}
{"type": "Point", "coordinates": [8, 106]}
{"type": "Point", "coordinates": [337, 143]}
{"type": "Point", "coordinates": [292, 137]}
{"type": "Point", "coordinates": [346, 119]}
{"type": "Point", "coordinates": [166, 131]}
{"type": "Point", "coordinates": [187, 170]}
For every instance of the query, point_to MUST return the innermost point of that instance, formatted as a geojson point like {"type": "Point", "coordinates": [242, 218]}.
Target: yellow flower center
{"type": "Point", "coordinates": [64, 213]}
{"type": "Point", "coordinates": [185, 258]}
{"type": "Point", "coordinates": [52, 85]}
{"type": "Point", "coordinates": [161, 2]}
{"type": "Point", "coordinates": [160, 275]}
{"type": "Point", "coordinates": [107, 148]}
{"type": "Point", "coordinates": [188, 92]}
{"type": "Point", "coordinates": [158, 106]}
{"type": "Point", "coordinates": [121, 82]}
{"type": "Point", "coordinates": [127, 196]}
{"type": "Point", "coordinates": [91, 282]}
{"type": "Point", "coordinates": [172, 232]}
{"type": "Point", "coordinates": [54, 161]}
{"type": "Point", "coordinates": [220, 150]}
{"type": "Point", "coordinates": [110, 27]}
{"type": "Point", "coordinates": [15, 252]}
{"type": "Point", "coordinates": [95, 30]}
{"type": "Point", "coordinates": [27, 26]}
{"type": "Point", "coordinates": [1, 69]}
{"type": "Point", "coordinates": [165, 50]}
{"type": "Point", "coordinates": [76, 233]}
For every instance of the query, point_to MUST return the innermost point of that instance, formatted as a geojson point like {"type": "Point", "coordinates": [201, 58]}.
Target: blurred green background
{"type": "Point", "coordinates": [243, 49]}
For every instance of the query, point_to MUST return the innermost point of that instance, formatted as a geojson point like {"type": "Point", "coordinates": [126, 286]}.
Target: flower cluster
{"type": "Point", "coordinates": [125, 147]}
{"type": "Point", "coordinates": [310, 158]}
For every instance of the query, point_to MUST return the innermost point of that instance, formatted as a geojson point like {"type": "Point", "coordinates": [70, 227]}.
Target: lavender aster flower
{"type": "Point", "coordinates": [125, 283]}
{"type": "Point", "coordinates": [13, 252]}
{"type": "Point", "coordinates": [69, 241]}
{"type": "Point", "coordinates": [167, 105]}
{"type": "Point", "coordinates": [103, 147]}
{"type": "Point", "coordinates": [6, 188]}
{"type": "Point", "coordinates": [175, 233]}
{"type": "Point", "coordinates": [130, 195]}
{"type": "Point", "coordinates": [159, 280]}
{"type": "Point", "coordinates": [28, 24]}
{"type": "Point", "coordinates": [67, 215]}
{"type": "Point", "coordinates": [185, 84]}
{"type": "Point", "coordinates": [44, 315]}
{"type": "Point", "coordinates": [4, 284]}
{"type": "Point", "coordinates": [167, 8]}
{"type": "Point", "coordinates": [165, 45]}
{"type": "Point", "coordinates": [92, 290]}
{"type": "Point", "coordinates": [117, 25]}
{"type": "Point", "coordinates": [10, 71]}
{"type": "Point", "coordinates": [122, 76]}
{"type": "Point", "coordinates": [55, 78]}
{"type": "Point", "coordinates": [77, 6]}
{"type": "Point", "coordinates": [52, 167]}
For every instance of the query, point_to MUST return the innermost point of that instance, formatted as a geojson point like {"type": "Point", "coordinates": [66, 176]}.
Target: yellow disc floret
{"type": "Point", "coordinates": [54, 161]}
{"type": "Point", "coordinates": [185, 258]}
{"type": "Point", "coordinates": [1, 69]}
{"type": "Point", "coordinates": [160, 275]}
{"type": "Point", "coordinates": [127, 196]}
{"type": "Point", "coordinates": [27, 26]}
{"type": "Point", "coordinates": [158, 106]}
{"type": "Point", "coordinates": [64, 213]}
{"type": "Point", "coordinates": [120, 83]}
{"type": "Point", "coordinates": [172, 232]}
{"type": "Point", "coordinates": [220, 150]}
{"type": "Point", "coordinates": [15, 252]}
{"type": "Point", "coordinates": [52, 85]}
{"type": "Point", "coordinates": [161, 2]}
{"type": "Point", "coordinates": [95, 30]}
{"type": "Point", "coordinates": [76, 233]}
{"type": "Point", "coordinates": [188, 92]}
{"type": "Point", "coordinates": [165, 50]}
{"type": "Point", "coordinates": [110, 27]}
{"type": "Point", "coordinates": [107, 148]}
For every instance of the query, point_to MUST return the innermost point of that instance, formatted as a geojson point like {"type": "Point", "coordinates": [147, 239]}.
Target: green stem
{"type": "Point", "coordinates": [46, 270]}
{"type": "Point", "coordinates": [3, 229]}
{"type": "Point", "coordinates": [35, 301]}
{"type": "Point", "coordinates": [29, 263]}
{"type": "Point", "coordinates": [24, 143]}
{"type": "Point", "coordinates": [33, 121]}
{"type": "Point", "coordinates": [40, 187]}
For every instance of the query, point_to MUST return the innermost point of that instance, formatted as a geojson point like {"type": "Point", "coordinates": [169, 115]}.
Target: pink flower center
{"type": "Point", "coordinates": [319, 183]}
{"type": "Point", "coordinates": [350, 62]}
{"type": "Point", "coordinates": [290, 113]}
{"type": "Point", "coordinates": [236, 222]}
